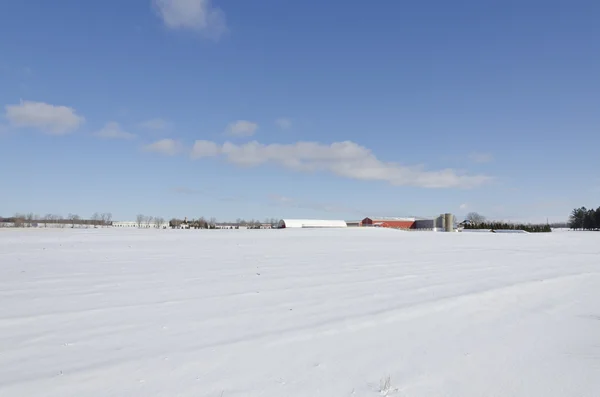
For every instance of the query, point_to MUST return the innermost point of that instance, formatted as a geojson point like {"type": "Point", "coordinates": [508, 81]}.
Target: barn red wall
{"type": "Point", "coordinates": [389, 223]}
{"type": "Point", "coordinates": [397, 224]}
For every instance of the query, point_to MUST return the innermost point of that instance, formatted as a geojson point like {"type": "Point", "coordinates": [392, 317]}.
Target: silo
{"type": "Point", "coordinates": [448, 222]}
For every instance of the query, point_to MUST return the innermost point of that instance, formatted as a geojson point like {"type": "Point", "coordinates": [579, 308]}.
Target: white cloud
{"type": "Point", "coordinates": [169, 147]}
{"type": "Point", "coordinates": [205, 149]}
{"type": "Point", "coordinates": [113, 130]}
{"type": "Point", "coordinates": [155, 124]}
{"type": "Point", "coordinates": [241, 128]}
{"type": "Point", "coordinates": [197, 15]}
{"type": "Point", "coordinates": [345, 159]}
{"type": "Point", "coordinates": [481, 158]}
{"type": "Point", "coordinates": [284, 123]}
{"type": "Point", "coordinates": [464, 206]}
{"type": "Point", "coordinates": [50, 119]}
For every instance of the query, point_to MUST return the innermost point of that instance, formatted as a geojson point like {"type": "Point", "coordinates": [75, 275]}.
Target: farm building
{"type": "Point", "coordinates": [310, 223]}
{"type": "Point", "coordinates": [444, 222]}
{"type": "Point", "coordinates": [396, 223]}
{"type": "Point", "coordinates": [141, 225]}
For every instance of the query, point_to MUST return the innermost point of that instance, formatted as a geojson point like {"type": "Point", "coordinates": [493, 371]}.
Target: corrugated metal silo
{"type": "Point", "coordinates": [448, 222]}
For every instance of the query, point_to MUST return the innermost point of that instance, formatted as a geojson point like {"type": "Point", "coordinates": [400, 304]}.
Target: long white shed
{"type": "Point", "coordinates": [311, 223]}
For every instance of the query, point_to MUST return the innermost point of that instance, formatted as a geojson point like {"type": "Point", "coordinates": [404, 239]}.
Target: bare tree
{"type": "Point", "coordinates": [95, 219]}
{"type": "Point", "coordinates": [475, 218]}
{"type": "Point", "coordinates": [74, 218]}
{"type": "Point", "coordinates": [158, 222]}
{"type": "Point", "coordinates": [108, 218]}
{"type": "Point", "coordinates": [139, 220]}
{"type": "Point", "coordinates": [212, 221]}
{"type": "Point", "coordinates": [61, 221]}
{"type": "Point", "coordinates": [29, 219]}
{"type": "Point", "coordinates": [19, 220]}
{"type": "Point", "coordinates": [149, 220]}
{"type": "Point", "coordinates": [47, 219]}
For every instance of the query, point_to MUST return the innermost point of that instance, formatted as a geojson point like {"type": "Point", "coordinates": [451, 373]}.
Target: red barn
{"type": "Point", "coordinates": [395, 223]}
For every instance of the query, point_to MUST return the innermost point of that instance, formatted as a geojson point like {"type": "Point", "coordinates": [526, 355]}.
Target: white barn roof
{"type": "Point", "coordinates": [311, 223]}
{"type": "Point", "coordinates": [391, 218]}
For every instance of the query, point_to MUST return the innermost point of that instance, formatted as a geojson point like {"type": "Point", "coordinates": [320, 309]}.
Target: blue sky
{"type": "Point", "coordinates": [316, 109]}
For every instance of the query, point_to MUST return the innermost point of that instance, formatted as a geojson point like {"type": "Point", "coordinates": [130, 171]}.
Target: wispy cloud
{"type": "Point", "coordinates": [284, 123]}
{"type": "Point", "coordinates": [49, 119]}
{"type": "Point", "coordinates": [464, 206]}
{"type": "Point", "coordinates": [169, 147]}
{"type": "Point", "coordinates": [345, 159]}
{"type": "Point", "coordinates": [241, 128]}
{"type": "Point", "coordinates": [481, 158]}
{"type": "Point", "coordinates": [113, 130]}
{"type": "Point", "coordinates": [196, 15]}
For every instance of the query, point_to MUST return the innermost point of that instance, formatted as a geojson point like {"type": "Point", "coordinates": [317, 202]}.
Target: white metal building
{"type": "Point", "coordinates": [311, 223]}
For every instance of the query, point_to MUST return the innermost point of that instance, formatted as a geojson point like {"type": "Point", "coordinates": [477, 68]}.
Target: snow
{"type": "Point", "coordinates": [325, 312]}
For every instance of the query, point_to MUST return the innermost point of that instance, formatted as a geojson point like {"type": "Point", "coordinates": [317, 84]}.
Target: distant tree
{"type": "Point", "coordinates": [149, 220]}
{"type": "Point", "coordinates": [19, 220]}
{"type": "Point", "coordinates": [577, 218]}
{"type": "Point", "coordinates": [61, 220]}
{"type": "Point", "coordinates": [108, 218]}
{"type": "Point", "coordinates": [96, 219]}
{"type": "Point", "coordinates": [158, 221]}
{"type": "Point", "coordinates": [29, 219]}
{"type": "Point", "coordinates": [47, 218]}
{"type": "Point", "coordinates": [475, 218]}
{"type": "Point", "coordinates": [495, 225]}
{"type": "Point", "coordinates": [139, 220]}
{"type": "Point", "coordinates": [74, 218]}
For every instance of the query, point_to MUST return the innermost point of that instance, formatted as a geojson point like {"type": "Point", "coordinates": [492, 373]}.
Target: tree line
{"type": "Point", "coordinates": [34, 220]}
{"type": "Point", "coordinates": [585, 219]}
{"type": "Point", "coordinates": [104, 219]}
{"type": "Point", "coordinates": [474, 220]}
{"type": "Point", "coordinates": [211, 223]}
{"type": "Point", "coordinates": [142, 221]}
{"type": "Point", "coordinates": [531, 228]}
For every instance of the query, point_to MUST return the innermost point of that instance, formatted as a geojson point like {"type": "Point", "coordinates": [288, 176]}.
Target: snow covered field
{"type": "Point", "coordinates": [306, 313]}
